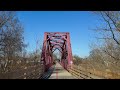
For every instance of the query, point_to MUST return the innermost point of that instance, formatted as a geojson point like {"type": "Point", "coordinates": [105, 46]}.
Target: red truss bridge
{"type": "Point", "coordinates": [53, 41]}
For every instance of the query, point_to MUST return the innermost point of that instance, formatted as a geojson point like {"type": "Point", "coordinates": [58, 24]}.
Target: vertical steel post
{"type": "Point", "coordinates": [70, 59]}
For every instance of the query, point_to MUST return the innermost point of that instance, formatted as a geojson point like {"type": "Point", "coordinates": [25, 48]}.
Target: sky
{"type": "Point", "coordinates": [79, 24]}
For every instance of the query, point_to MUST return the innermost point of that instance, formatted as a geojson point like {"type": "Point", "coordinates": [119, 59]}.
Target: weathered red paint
{"type": "Point", "coordinates": [53, 41]}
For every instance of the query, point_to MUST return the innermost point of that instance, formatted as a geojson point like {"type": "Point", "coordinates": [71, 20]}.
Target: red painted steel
{"type": "Point", "coordinates": [53, 41]}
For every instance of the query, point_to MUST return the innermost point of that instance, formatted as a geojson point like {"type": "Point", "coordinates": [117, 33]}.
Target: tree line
{"type": "Point", "coordinates": [105, 51]}
{"type": "Point", "coordinates": [12, 45]}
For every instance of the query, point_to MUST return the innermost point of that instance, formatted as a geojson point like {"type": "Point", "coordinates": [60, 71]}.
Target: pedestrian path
{"type": "Point", "coordinates": [60, 73]}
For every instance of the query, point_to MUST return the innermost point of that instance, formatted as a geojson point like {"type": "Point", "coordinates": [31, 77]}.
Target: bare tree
{"type": "Point", "coordinates": [77, 60]}
{"type": "Point", "coordinates": [11, 36]}
{"type": "Point", "coordinates": [106, 54]}
{"type": "Point", "coordinates": [110, 32]}
{"type": "Point", "coordinates": [5, 16]}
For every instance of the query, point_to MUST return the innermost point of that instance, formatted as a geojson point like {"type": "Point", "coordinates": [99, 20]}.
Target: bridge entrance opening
{"type": "Point", "coordinates": [56, 41]}
{"type": "Point", "coordinates": [56, 56]}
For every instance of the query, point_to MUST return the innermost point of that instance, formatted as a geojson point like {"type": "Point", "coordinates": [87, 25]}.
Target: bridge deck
{"type": "Point", "coordinates": [60, 73]}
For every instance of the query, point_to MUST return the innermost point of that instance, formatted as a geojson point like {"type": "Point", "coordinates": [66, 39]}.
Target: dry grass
{"type": "Point", "coordinates": [21, 71]}
{"type": "Point", "coordinates": [105, 73]}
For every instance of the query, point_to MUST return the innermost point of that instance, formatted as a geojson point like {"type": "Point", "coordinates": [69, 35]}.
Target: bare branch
{"type": "Point", "coordinates": [114, 23]}
{"type": "Point", "coordinates": [111, 29]}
